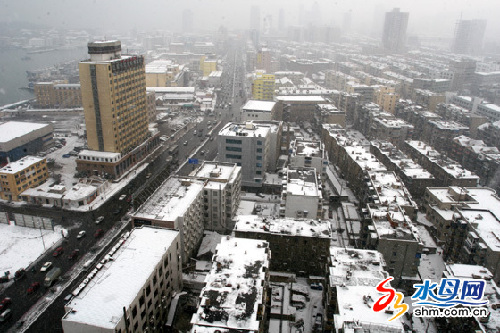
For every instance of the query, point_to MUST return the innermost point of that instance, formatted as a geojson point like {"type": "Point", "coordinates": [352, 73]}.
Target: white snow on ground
{"type": "Point", "coordinates": [20, 246]}
{"type": "Point", "coordinates": [245, 208]}
{"type": "Point", "coordinates": [312, 307]}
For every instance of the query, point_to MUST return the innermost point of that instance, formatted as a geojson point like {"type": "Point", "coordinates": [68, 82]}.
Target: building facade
{"type": "Point", "coordinates": [21, 175]}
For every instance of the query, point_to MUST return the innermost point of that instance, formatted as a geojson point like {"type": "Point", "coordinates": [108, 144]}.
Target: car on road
{"type": "Point", "coordinates": [99, 219]}
{"type": "Point", "coordinates": [81, 234]}
{"type": "Point", "coordinates": [46, 266]}
{"type": "Point", "coordinates": [148, 175]}
{"type": "Point", "coordinates": [5, 303]}
{"type": "Point", "coordinates": [117, 211]}
{"type": "Point", "coordinates": [58, 251]}
{"type": "Point", "coordinates": [33, 288]}
{"type": "Point", "coordinates": [66, 155]}
{"type": "Point", "coordinates": [74, 254]}
{"type": "Point", "coordinates": [6, 315]}
{"type": "Point", "coordinates": [202, 152]}
{"type": "Point", "coordinates": [185, 143]}
{"type": "Point", "coordinates": [123, 196]}
{"type": "Point", "coordinates": [99, 233]}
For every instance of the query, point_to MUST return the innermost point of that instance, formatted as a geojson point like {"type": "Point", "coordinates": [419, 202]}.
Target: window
{"type": "Point", "coordinates": [258, 165]}
{"type": "Point", "coordinates": [259, 150]}
{"type": "Point", "coordinates": [259, 158]}
{"type": "Point", "coordinates": [238, 149]}
{"type": "Point", "coordinates": [259, 143]}
{"type": "Point", "coordinates": [237, 157]}
{"type": "Point", "coordinates": [233, 141]}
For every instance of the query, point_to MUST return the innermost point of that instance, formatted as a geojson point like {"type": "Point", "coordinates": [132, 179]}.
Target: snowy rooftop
{"type": "Point", "coordinates": [393, 123]}
{"type": "Point", "coordinates": [283, 226]}
{"type": "Point", "coordinates": [389, 189]}
{"type": "Point", "coordinates": [99, 154]}
{"type": "Point", "coordinates": [215, 170]}
{"type": "Point", "coordinates": [353, 267]}
{"type": "Point", "coordinates": [242, 130]}
{"type": "Point", "coordinates": [172, 90]}
{"type": "Point", "coordinates": [308, 148]}
{"type": "Point", "coordinates": [14, 129]}
{"type": "Point", "coordinates": [355, 310]}
{"type": "Point", "coordinates": [345, 137]}
{"type": "Point", "coordinates": [302, 182]}
{"type": "Point", "coordinates": [234, 287]}
{"type": "Point", "coordinates": [254, 105]}
{"type": "Point", "coordinates": [285, 99]}
{"type": "Point", "coordinates": [448, 125]}
{"type": "Point", "coordinates": [171, 200]}
{"type": "Point", "coordinates": [364, 158]}
{"type": "Point", "coordinates": [391, 222]}
{"type": "Point", "coordinates": [101, 302]}
{"type": "Point", "coordinates": [449, 166]}
{"type": "Point", "coordinates": [23, 163]}
{"type": "Point", "coordinates": [159, 66]}
{"type": "Point", "coordinates": [486, 225]}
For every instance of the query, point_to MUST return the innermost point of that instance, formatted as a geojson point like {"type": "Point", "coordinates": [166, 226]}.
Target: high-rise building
{"type": "Point", "coordinates": [255, 18]}
{"type": "Point", "coordinates": [114, 98]}
{"type": "Point", "coordinates": [469, 36]}
{"type": "Point", "coordinates": [394, 33]}
{"type": "Point", "coordinates": [187, 21]}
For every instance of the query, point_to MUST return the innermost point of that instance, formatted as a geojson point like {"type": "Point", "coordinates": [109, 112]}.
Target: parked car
{"type": "Point", "coordinates": [99, 219]}
{"type": "Point", "coordinates": [33, 288]}
{"type": "Point", "coordinates": [6, 315]}
{"type": "Point", "coordinates": [185, 143]}
{"type": "Point", "coordinates": [5, 303]}
{"type": "Point", "coordinates": [66, 155]}
{"type": "Point", "coordinates": [316, 286]}
{"type": "Point", "coordinates": [74, 254]}
{"type": "Point", "coordinates": [46, 266]}
{"type": "Point", "coordinates": [58, 251]}
{"type": "Point", "coordinates": [123, 196]}
{"type": "Point", "coordinates": [19, 274]}
{"type": "Point", "coordinates": [148, 175]}
{"type": "Point", "coordinates": [81, 234]}
{"type": "Point", "coordinates": [99, 233]}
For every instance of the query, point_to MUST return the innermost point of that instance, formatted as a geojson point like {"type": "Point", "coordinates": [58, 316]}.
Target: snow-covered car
{"type": "Point", "coordinates": [46, 266]}
{"type": "Point", "coordinates": [99, 219]}
{"type": "Point", "coordinates": [81, 234]}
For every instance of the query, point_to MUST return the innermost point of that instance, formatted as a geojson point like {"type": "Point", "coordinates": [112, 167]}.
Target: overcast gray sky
{"type": "Point", "coordinates": [427, 17]}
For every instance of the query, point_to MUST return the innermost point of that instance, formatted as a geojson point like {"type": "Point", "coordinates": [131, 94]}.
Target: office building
{"type": "Point", "coordinates": [132, 290]}
{"type": "Point", "coordinates": [263, 86]}
{"type": "Point", "coordinates": [394, 33]}
{"type": "Point", "coordinates": [258, 110]}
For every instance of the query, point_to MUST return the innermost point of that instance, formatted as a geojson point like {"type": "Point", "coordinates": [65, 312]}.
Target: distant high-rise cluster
{"type": "Point", "coordinates": [469, 36]}
{"type": "Point", "coordinates": [394, 34]}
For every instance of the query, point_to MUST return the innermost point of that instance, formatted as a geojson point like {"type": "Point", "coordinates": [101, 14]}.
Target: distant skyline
{"type": "Point", "coordinates": [427, 17]}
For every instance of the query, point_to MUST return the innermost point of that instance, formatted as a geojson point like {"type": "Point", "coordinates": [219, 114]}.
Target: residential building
{"type": "Point", "coordinates": [469, 36]}
{"type": "Point", "coordinates": [428, 99]}
{"type": "Point", "coordinates": [446, 171]}
{"type": "Point", "coordinates": [207, 65]}
{"type": "Point", "coordinates": [490, 133]}
{"type": "Point", "coordinates": [45, 94]}
{"type": "Point", "coordinates": [236, 290]}
{"type": "Point", "coordinates": [465, 220]}
{"type": "Point", "coordinates": [258, 110]}
{"type": "Point", "coordinates": [394, 33]}
{"type": "Point", "coordinates": [221, 194]}
{"type": "Point", "coordinates": [462, 73]}
{"type": "Point", "coordinates": [310, 154]}
{"type": "Point", "coordinates": [439, 86]}
{"type": "Point", "coordinates": [415, 178]}
{"type": "Point", "coordinates": [19, 139]}
{"type": "Point", "coordinates": [67, 96]}
{"type": "Point", "coordinates": [352, 277]}
{"type": "Point", "coordinates": [177, 204]}
{"type": "Point", "coordinates": [263, 86]}
{"type": "Point", "coordinates": [391, 232]}
{"type": "Point", "coordinates": [491, 111]}
{"type": "Point", "coordinates": [301, 195]}
{"type": "Point", "coordinates": [165, 73]}
{"type": "Point", "coordinates": [330, 114]}
{"type": "Point", "coordinates": [298, 108]}
{"type": "Point", "coordinates": [132, 295]}
{"type": "Point", "coordinates": [386, 97]}
{"type": "Point", "coordinates": [15, 177]}
{"type": "Point", "coordinates": [300, 246]}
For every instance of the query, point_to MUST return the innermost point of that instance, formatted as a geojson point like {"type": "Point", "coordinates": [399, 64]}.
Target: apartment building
{"type": "Point", "coordinates": [15, 177]}
{"type": "Point", "coordinates": [221, 194]}
{"type": "Point", "coordinates": [301, 195]}
{"type": "Point", "coordinates": [466, 223]}
{"type": "Point", "coordinates": [236, 290]}
{"type": "Point", "coordinates": [446, 171]}
{"type": "Point", "coordinates": [415, 178]}
{"type": "Point", "coordinates": [329, 114]}
{"type": "Point", "coordinates": [124, 294]}
{"type": "Point", "coordinates": [164, 73]}
{"type": "Point", "coordinates": [263, 86]}
{"type": "Point", "coordinates": [390, 231]}
{"type": "Point", "coordinates": [310, 154]}
{"type": "Point", "coordinates": [177, 204]}
{"type": "Point", "coordinates": [352, 277]}
{"type": "Point", "coordinates": [300, 246]}
{"type": "Point", "coordinates": [298, 108]}
{"type": "Point", "coordinates": [427, 98]}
